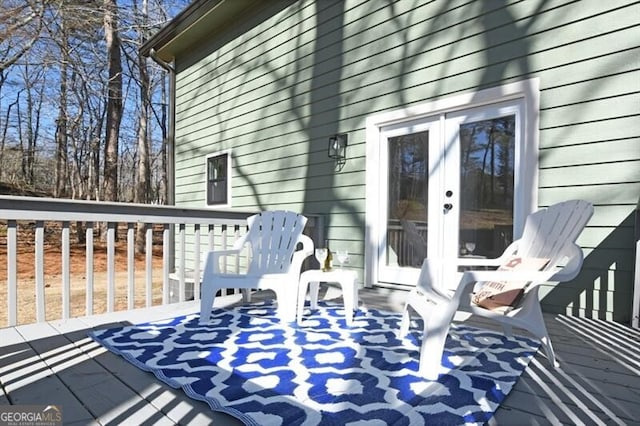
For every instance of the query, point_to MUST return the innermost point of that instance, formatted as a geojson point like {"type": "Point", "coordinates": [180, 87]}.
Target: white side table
{"type": "Point", "coordinates": [313, 278]}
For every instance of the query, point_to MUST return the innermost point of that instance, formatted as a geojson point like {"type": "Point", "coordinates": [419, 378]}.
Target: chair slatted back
{"type": "Point", "coordinates": [273, 236]}
{"type": "Point", "coordinates": [548, 232]}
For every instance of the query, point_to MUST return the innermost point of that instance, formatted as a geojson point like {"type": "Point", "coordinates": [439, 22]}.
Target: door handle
{"type": "Point", "coordinates": [447, 207]}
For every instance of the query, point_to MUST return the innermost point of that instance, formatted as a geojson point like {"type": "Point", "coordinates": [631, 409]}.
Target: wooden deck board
{"type": "Point", "coordinates": [27, 379]}
{"type": "Point", "coordinates": [96, 388]}
{"type": "Point", "coordinates": [594, 384]}
{"type": "Point", "coordinates": [57, 363]}
{"type": "Point", "coordinates": [546, 393]}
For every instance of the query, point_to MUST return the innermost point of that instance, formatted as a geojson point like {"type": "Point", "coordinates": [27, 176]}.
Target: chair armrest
{"type": "Point", "coordinates": [527, 276]}
{"type": "Point", "coordinates": [217, 254]}
{"type": "Point", "coordinates": [220, 253]}
{"type": "Point", "coordinates": [568, 272]}
{"type": "Point", "coordinates": [463, 294]}
{"type": "Point", "coordinates": [573, 266]}
{"type": "Point", "coordinates": [435, 268]}
{"type": "Point", "coordinates": [300, 255]}
{"type": "Point", "coordinates": [460, 294]}
{"type": "Point", "coordinates": [240, 242]}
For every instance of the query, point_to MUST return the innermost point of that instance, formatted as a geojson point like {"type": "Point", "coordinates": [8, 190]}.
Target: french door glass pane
{"type": "Point", "coordinates": [407, 199]}
{"type": "Point", "coordinates": [487, 150]}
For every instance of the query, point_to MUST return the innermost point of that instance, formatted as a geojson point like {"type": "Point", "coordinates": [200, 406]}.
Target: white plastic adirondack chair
{"type": "Point", "coordinates": [274, 262]}
{"type": "Point", "coordinates": [549, 233]}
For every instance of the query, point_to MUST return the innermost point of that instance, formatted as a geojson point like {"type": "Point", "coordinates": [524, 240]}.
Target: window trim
{"type": "Point", "coordinates": [229, 178]}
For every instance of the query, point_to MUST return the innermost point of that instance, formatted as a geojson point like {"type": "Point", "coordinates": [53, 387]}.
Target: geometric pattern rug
{"type": "Point", "coordinates": [248, 364]}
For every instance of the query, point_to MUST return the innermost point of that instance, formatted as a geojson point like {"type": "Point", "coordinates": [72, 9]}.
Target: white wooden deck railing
{"type": "Point", "coordinates": [219, 228]}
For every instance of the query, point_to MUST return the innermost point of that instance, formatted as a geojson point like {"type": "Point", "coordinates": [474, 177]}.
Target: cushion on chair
{"type": "Point", "coordinates": [502, 296]}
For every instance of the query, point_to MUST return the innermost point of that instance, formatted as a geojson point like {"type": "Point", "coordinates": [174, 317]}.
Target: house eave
{"type": "Point", "coordinates": [200, 19]}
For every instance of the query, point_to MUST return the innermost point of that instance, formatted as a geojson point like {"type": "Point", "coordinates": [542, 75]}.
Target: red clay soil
{"type": "Point", "coordinates": [77, 261]}
{"type": "Point", "coordinates": [53, 279]}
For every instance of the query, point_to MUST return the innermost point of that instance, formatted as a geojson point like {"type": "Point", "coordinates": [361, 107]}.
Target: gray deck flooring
{"type": "Point", "coordinates": [56, 363]}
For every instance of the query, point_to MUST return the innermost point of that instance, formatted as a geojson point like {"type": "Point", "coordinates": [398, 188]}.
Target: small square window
{"type": "Point", "coordinates": [217, 179]}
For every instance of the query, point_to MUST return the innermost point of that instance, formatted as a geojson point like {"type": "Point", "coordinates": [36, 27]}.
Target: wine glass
{"type": "Point", "coordinates": [343, 257]}
{"type": "Point", "coordinates": [470, 247]}
{"type": "Point", "coordinates": [321, 256]}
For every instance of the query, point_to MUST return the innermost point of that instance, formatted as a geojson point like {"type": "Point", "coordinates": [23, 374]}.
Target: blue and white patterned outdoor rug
{"type": "Point", "coordinates": [248, 364]}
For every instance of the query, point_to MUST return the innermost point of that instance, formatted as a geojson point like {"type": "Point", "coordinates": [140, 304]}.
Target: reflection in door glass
{"type": "Point", "coordinates": [408, 195]}
{"type": "Point", "coordinates": [486, 183]}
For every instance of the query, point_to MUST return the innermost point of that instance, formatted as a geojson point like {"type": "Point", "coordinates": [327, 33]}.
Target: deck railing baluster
{"type": "Point", "coordinates": [196, 261]}
{"type": "Point", "coordinates": [39, 277]}
{"type": "Point", "coordinates": [236, 235]}
{"type": "Point", "coordinates": [182, 244]}
{"type": "Point", "coordinates": [12, 272]}
{"type": "Point", "coordinates": [223, 240]}
{"type": "Point", "coordinates": [165, 263]}
{"type": "Point", "coordinates": [89, 268]}
{"type": "Point", "coordinates": [149, 265]}
{"type": "Point", "coordinates": [66, 272]}
{"type": "Point", "coordinates": [111, 266]}
{"type": "Point", "coordinates": [131, 266]}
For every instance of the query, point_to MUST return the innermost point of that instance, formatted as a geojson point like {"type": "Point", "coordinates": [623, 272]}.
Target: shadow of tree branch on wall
{"type": "Point", "coordinates": [276, 105]}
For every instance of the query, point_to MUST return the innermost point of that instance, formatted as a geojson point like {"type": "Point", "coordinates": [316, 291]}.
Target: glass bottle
{"type": "Point", "coordinates": [328, 262]}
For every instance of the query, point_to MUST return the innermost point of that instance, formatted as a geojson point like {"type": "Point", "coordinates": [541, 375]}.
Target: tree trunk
{"type": "Point", "coordinates": [144, 167]}
{"type": "Point", "coordinates": [142, 186]}
{"type": "Point", "coordinates": [61, 122]}
{"type": "Point", "coordinates": [114, 101]}
{"type": "Point", "coordinates": [5, 128]}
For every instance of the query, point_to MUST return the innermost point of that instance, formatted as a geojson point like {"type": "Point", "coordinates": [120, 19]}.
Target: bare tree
{"type": "Point", "coordinates": [61, 121]}
{"type": "Point", "coordinates": [143, 185]}
{"type": "Point", "coordinates": [5, 128]}
{"type": "Point", "coordinates": [144, 168]}
{"type": "Point", "coordinates": [114, 100]}
{"type": "Point", "coordinates": [21, 23]}
{"type": "Point", "coordinates": [35, 81]}
{"type": "Point", "coordinates": [96, 121]}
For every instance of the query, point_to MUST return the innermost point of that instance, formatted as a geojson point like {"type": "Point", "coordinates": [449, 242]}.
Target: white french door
{"type": "Point", "coordinates": [447, 187]}
{"type": "Point", "coordinates": [410, 152]}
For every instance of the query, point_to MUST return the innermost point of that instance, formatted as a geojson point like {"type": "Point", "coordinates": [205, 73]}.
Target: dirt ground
{"type": "Point", "coordinates": [53, 280]}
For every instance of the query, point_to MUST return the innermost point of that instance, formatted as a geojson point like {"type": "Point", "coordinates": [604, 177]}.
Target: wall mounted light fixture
{"type": "Point", "coordinates": [338, 147]}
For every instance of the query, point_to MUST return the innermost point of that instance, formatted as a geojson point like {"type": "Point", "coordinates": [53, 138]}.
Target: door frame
{"type": "Point", "coordinates": [527, 193]}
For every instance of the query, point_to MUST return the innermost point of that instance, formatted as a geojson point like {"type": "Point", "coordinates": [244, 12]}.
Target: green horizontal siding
{"type": "Point", "coordinates": [368, 79]}
{"type": "Point", "coordinates": [614, 202]}
{"type": "Point", "coordinates": [591, 110]}
{"type": "Point", "coordinates": [590, 174]}
{"type": "Point", "coordinates": [609, 151]}
{"type": "Point", "coordinates": [275, 88]}
{"type": "Point", "coordinates": [585, 132]}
